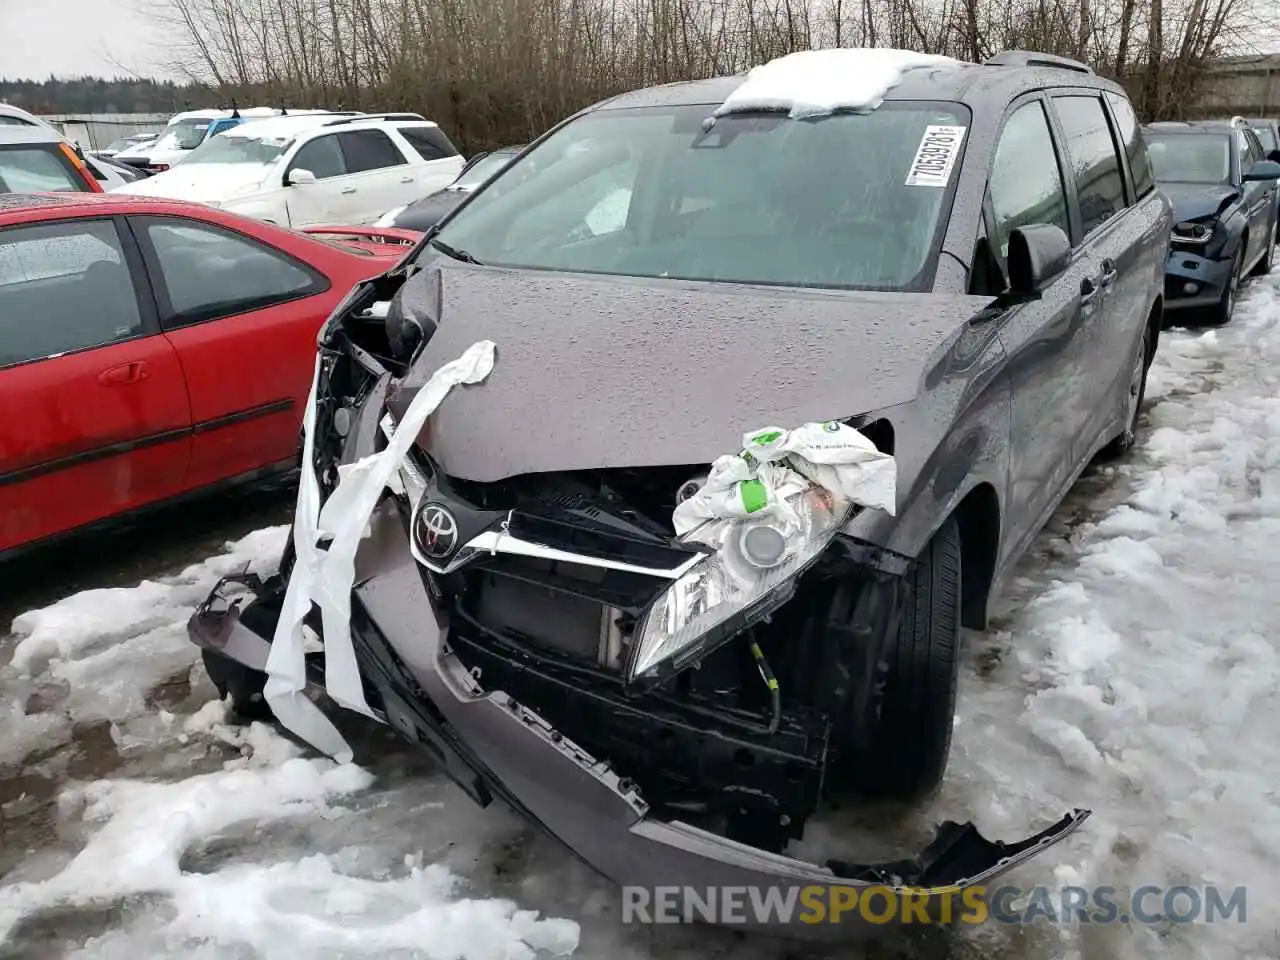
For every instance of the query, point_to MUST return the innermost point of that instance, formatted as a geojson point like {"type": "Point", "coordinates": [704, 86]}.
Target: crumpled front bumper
{"type": "Point", "coordinates": [493, 746]}
{"type": "Point", "coordinates": [1209, 276]}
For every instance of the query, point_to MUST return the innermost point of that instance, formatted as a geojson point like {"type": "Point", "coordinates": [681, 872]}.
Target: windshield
{"type": "Point", "coordinates": [1190, 157]}
{"type": "Point", "coordinates": [483, 170]}
{"type": "Point", "coordinates": [229, 148]}
{"type": "Point", "coordinates": [1268, 138]}
{"type": "Point", "coordinates": [183, 135]}
{"type": "Point", "coordinates": [752, 198]}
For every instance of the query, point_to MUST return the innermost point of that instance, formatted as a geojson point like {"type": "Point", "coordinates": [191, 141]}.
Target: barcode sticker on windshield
{"type": "Point", "coordinates": [936, 156]}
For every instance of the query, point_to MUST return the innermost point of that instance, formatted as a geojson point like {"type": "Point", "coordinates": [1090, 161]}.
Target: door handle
{"type": "Point", "coordinates": [1088, 290]}
{"type": "Point", "coordinates": [124, 373]}
{"type": "Point", "coordinates": [349, 190]}
{"type": "Point", "coordinates": [406, 179]}
{"type": "Point", "coordinates": [1108, 272]}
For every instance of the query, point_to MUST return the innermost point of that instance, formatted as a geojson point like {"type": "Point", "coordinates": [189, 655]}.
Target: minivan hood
{"type": "Point", "coordinates": [1191, 201]}
{"type": "Point", "coordinates": [203, 181]}
{"type": "Point", "coordinates": [597, 372]}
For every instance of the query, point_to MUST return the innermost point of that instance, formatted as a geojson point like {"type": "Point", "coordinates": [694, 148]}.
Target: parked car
{"type": "Point", "coordinates": [967, 276]}
{"type": "Point", "coordinates": [125, 143]}
{"type": "Point", "coordinates": [1267, 131]}
{"type": "Point", "coordinates": [1223, 189]}
{"type": "Point", "coordinates": [308, 170]}
{"type": "Point", "coordinates": [426, 213]}
{"type": "Point", "coordinates": [151, 349]}
{"type": "Point", "coordinates": [36, 158]}
{"type": "Point", "coordinates": [187, 130]}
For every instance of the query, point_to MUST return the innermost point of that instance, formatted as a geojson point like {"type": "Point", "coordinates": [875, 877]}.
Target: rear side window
{"type": "Point", "coordinates": [209, 273]}
{"type": "Point", "coordinates": [37, 169]}
{"type": "Point", "coordinates": [1094, 161]}
{"type": "Point", "coordinates": [1026, 180]}
{"type": "Point", "coordinates": [63, 287]}
{"type": "Point", "coordinates": [369, 150]}
{"type": "Point", "coordinates": [6, 120]}
{"type": "Point", "coordinates": [430, 142]}
{"type": "Point", "coordinates": [1135, 145]}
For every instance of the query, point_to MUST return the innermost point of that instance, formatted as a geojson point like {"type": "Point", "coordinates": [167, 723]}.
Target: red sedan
{"type": "Point", "coordinates": [151, 349]}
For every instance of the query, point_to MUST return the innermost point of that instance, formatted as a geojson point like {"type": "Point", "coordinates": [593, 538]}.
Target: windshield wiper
{"type": "Point", "coordinates": [453, 252]}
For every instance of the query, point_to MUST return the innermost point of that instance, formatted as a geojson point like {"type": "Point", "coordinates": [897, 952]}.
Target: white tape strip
{"type": "Point", "coordinates": [325, 577]}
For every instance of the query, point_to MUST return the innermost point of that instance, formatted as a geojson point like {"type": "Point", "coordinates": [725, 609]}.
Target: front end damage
{"type": "Point", "coordinates": [496, 625]}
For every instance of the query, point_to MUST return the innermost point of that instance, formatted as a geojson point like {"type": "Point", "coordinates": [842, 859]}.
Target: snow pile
{"type": "Point", "coordinates": [815, 83]}
{"type": "Point", "coordinates": [106, 649]}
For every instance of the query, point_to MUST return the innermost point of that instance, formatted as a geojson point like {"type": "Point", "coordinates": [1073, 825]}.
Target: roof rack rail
{"type": "Point", "coordinates": [1029, 58]}
{"type": "Point", "coordinates": [376, 116]}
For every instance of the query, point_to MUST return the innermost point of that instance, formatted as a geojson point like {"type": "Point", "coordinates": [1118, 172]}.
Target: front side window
{"type": "Point", "coordinates": [1095, 164]}
{"type": "Point", "coordinates": [37, 169]}
{"type": "Point", "coordinates": [369, 150]}
{"type": "Point", "coordinates": [208, 273]}
{"type": "Point", "coordinates": [322, 156]}
{"type": "Point", "coordinates": [8, 121]}
{"type": "Point", "coordinates": [63, 287]}
{"type": "Point", "coordinates": [1267, 137]}
{"type": "Point", "coordinates": [1026, 184]}
{"type": "Point", "coordinates": [1190, 157]}
{"type": "Point", "coordinates": [1135, 144]}
{"type": "Point", "coordinates": [846, 201]}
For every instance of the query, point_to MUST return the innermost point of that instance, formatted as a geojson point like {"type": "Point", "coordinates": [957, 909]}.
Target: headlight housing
{"type": "Point", "coordinates": [1193, 231]}
{"type": "Point", "coordinates": [751, 573]}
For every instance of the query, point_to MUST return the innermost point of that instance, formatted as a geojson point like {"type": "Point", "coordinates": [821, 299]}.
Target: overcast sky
{"type": "Point", "coordinates": [77, 37]}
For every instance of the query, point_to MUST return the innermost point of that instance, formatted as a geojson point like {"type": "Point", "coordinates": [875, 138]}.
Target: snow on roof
{"type": "Point", "coordinates": [814, 83]}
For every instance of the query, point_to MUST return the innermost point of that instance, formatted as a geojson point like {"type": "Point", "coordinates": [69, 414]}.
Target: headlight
{"type": "Point", "coordinates": [388, 219]}
{"type": "Point", "coordinates": [1190, 231]}
{"type": "Point", "coordinates": [751, 573]}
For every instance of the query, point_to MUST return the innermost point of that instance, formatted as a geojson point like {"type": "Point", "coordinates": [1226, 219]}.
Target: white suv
{"type": "Point", "coordinates": [302, 171]}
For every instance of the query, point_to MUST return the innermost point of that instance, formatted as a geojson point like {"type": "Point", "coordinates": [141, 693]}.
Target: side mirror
{"type": "Point", "coordinates": [1038, 252]}
{"type": "Point", "coordinates": [298, 176]}
{"type": "Point", "coordinates": [1263, 170]}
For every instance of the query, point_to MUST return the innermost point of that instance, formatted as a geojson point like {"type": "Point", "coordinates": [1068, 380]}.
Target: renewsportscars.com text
{"type": "Point", "coordinates": [970, 905]}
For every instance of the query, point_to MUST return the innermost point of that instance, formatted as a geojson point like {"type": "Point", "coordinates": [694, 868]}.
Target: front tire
{"type": "Point", "coordinates": [1137, 392]}
{"type": "Point", "coordinates": [1224, 309]}
{"type": "Point", "coordinates": [910, 739]}
{"type": "Point", "coordinates": [1268, 260]}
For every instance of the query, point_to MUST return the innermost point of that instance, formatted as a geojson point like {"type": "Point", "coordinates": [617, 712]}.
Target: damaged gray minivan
{"type": "Point", "coordinates": [970, 273]}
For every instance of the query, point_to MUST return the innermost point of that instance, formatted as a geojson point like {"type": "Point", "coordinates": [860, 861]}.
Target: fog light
{"type": "Point", "coordinates": [1190, 288]}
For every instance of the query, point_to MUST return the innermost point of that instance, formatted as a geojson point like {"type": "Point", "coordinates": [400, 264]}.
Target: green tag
{"type": "Point", "coordinates": [754, 495]}
{"type": "Point", "coordinates": [760, 439]}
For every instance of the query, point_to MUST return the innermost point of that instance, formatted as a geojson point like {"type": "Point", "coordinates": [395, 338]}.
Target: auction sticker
{"type": "Point", "coordinates": [936, 156]}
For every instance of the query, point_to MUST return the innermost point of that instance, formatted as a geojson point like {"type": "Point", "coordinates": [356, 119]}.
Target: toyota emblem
{"type": "Point", "coordinates": [436, 532]}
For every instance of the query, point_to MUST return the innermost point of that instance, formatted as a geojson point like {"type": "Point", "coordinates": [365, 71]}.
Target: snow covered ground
{"type": "Point", "coordinates": [1134, 671]}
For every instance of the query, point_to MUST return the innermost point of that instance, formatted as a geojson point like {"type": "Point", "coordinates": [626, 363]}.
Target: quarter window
{"type": "Point", "coordinates": [63, 287]}
{"type": "Point", "coordinates": [321, 156]}
{"type": "Point", "coordinates": [1094, 161]}
{"type": "Point", "coordinates": [1135, 145]}
{"type": "Point", "coordinates": [1026, 181]}
{"type": "Point", "coordinates": [430, 142]}
{"type": "Point", "coordinates": [369, 150]}
{"type": "Point", "coordinates": [209, 273]}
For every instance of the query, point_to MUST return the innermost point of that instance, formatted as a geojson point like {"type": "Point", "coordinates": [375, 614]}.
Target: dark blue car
{"type": "Point", "coordinates": [1222, 183]}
